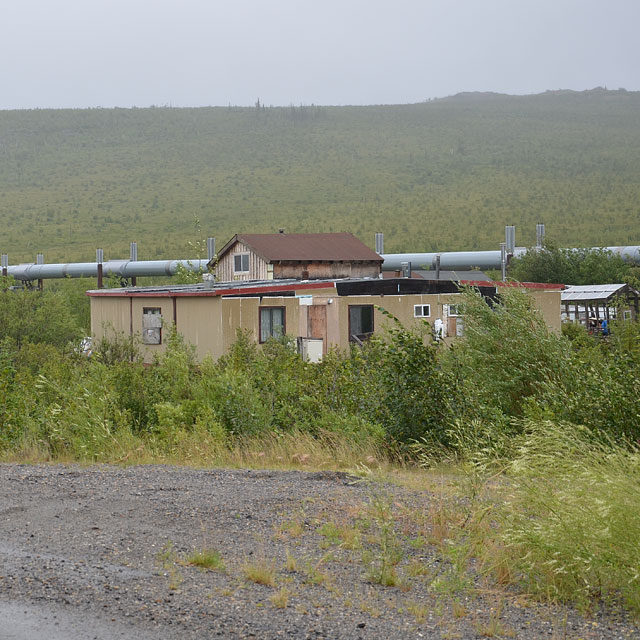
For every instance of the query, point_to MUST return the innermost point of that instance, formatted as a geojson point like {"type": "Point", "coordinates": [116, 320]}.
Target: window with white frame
{"type": "Point", "coordinates": [151, 325]}
{"type": "Point", "coordinates": [272, 323]}
{"type": "Point", "coordinates": [421, 310]}
{"type": "Point", "coordinates": [241, 263]}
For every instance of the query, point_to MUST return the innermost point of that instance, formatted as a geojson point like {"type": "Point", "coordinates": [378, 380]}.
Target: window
{"type": "Point", "coordinates": [421, 310]}
{"type": "Point", "coordinates": [241, 263]}
{"type": "Point", "coordinates": [453, 310]}
{"type": "Point", "coordinates": [360, 322]}
{"type": "Point", "coordinates": [151, 325]}
{"type": "Point", "coordinates": [271, 323]}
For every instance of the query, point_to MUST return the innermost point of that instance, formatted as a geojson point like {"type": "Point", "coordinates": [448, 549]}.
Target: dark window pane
{"type": "Point", "coordinates": [241, 262]}
{"type": "Point", "coordinates": [360, 321]}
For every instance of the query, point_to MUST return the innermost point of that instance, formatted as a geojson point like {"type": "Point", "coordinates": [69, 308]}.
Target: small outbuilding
{"type": "Point", "coordinates": [303, 256]}
{"type": "Point", "coordinates": [592, 304]}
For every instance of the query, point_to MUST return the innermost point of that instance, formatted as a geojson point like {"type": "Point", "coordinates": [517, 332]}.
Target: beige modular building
{"type": "Point", "coordinates": [319, 314]}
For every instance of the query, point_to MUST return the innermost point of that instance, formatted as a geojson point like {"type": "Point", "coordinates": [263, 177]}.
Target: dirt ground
{"type": "Point", "coordinates": [107, 552]}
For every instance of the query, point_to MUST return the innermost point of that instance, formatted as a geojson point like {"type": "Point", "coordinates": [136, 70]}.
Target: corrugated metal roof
{"type": "Point", "coordinates": [453, 275]}
{"type": "Point", "coordinates": [217, 288]}
{"type": "Point", "coordinates": [344, 286]}
{"type": "Point", "coordinates": [592, 292]}
{"type": "Point", "coordinates": [306, 246]}
{"type": "Point", "coordinates": [457, 276]}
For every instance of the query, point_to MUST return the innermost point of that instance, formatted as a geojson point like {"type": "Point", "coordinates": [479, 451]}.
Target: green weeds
{"type": "Point", "coordinates": [206, 559]}
{"type": "Point", "coordinates": [385, 552]}
{"type": "Point", "coordinates": [261, 571]}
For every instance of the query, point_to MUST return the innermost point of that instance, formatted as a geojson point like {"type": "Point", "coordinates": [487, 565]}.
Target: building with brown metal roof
{"type": "Point", "coordinates": [303, 256]}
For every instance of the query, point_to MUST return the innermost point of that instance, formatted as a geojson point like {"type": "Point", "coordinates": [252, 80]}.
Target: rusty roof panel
{"type": "Point", "coordinates": [309, 246]}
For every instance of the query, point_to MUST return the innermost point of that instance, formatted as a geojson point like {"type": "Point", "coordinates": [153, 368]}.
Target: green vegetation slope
{"type": "Point", "coordinates": [442, 175]}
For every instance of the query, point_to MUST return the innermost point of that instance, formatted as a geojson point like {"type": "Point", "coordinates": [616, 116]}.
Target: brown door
{"type": "Point", "coordinates": [452, 326]}
{"type": "Point", "coordinates": [317, 323]}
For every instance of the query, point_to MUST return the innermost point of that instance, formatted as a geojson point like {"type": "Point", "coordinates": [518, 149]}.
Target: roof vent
{"type": "Point", "coordinates": [540, 235]}
{"type": "Point", "coordinates": [211, 249]}
{"type": "Point", "coordinates": [379, 243]}
{"type": "Point", "coordinates": [510, 238]}
{"type": "Point", "coordinates": [208, 280]}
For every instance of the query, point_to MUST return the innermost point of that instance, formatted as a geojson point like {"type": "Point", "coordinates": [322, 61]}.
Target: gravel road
{"type": "Point", "coordinates": [103, 552]}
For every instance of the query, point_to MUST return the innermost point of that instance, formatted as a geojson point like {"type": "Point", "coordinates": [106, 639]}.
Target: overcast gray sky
{"type": "Point", "coordinates": [88, 53]}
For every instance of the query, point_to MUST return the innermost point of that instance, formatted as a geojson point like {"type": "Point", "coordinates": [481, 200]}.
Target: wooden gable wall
{"type": "Point", "coordinates": [257, 266]}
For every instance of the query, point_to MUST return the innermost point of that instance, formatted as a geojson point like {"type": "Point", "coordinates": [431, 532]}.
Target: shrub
{"type": "Point", "coordinates": [38, 317]}
{"type": "Point", "coordinates": [601, 390]}
{"type": "Point", "coordinates": [235, 402]}
{"type": "Point", "coordinates": [506, 354]}
{"type": "Point", "coordinates": [418, 395]}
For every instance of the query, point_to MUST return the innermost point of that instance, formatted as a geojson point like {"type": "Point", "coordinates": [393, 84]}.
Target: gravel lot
{"type": "Point", "coordinates": [101, 552]}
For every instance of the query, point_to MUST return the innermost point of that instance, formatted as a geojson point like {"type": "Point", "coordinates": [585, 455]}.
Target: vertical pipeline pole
{"type": "Point", "coordinates": [40, 260]}
{"type": "Point", "coordinates": [4, 261]}
{"type": "Point", "coordinates": [503, 260]}
{"type": "Point", "coordinates": [99, 260]}
{"type": "Point", "coordinates": [133, 257]}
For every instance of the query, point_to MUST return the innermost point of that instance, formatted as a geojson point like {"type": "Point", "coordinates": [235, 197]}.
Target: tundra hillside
{"type": "Point", "coordinates": [542, 428]}
{"type": "Point", "coordinates": [443, 175]}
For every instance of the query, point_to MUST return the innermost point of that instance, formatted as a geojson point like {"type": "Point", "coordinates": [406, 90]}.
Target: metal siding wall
{"type": "Point", "coordinates": [549, 304]}
{"type": "Point", "coordinates": [200, 323]}
{"type": "Point", "coordinates": [211, 323]}
{"type": "Point", "coordinates": [109, 315]}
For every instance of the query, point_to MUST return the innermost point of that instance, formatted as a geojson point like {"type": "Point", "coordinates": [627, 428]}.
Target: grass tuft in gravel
{"type": "Point", "coordinates": [280, 599]}
{"type": "Point", "coordinates": [260, 571]}
{"type": "Point", "coordinates": [206, 559]}
{"type": "Point", "coordinates": [291, 564]}
{"type": "Point", "coordinates": [381, 560]}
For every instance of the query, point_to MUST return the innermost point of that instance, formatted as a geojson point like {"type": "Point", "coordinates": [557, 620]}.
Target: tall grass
{"type": "Point", "coordinates": [198, 448]}
{"type": "Point", "coordinates": [568, 527]}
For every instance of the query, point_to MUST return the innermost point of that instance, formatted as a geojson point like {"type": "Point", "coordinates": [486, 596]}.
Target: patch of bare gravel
{"type": "Point", "coordinates": [109, 546]}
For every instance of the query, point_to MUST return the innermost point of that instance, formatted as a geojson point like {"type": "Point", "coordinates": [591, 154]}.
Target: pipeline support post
{"type": "Point", "coordinates": [133, 256]}
{"type": "Point", "coordinates": [40, 260]}
{"type": "Point", "coordinates": [99, 260]}
{"type": "Point", "coordinates": [4, 262]}
{"type": "Point", "coordinates": [503, 260]}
